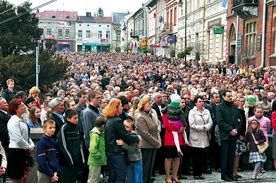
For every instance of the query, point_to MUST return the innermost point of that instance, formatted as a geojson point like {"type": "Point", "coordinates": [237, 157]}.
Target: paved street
{"type": "Point", "coordinates": [269, 176]}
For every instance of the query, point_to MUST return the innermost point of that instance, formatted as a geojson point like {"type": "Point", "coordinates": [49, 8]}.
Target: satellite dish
{"type": "Point", "coordinates": [161, 19]}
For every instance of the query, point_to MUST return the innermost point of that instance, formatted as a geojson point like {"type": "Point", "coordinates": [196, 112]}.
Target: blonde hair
{"type": "Point", "coordinates": [9, 81]}
{"type": "Point", "coordinates": [34, 89]}
{"type": "Point", "coordinates": [143, 101]}
{"type": "Point", "coordinates": [111, 109]}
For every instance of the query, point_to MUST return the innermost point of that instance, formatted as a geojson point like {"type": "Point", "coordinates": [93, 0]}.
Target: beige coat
{"type": "Point", "coordinates": [149, 129]}
{"type": "Point", "coordinates": [198, 137]}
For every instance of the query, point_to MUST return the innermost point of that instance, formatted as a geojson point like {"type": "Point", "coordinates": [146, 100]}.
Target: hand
{"type": "Point", "coordinates": [139, 139]}
{"type": "Point", "coordinates": [120, 142]}
{"type": "Point", "coordinates": [2, 170]}
{"type": "Point", "coordinates": [159, 146]}
{"type": "Point", "coordinates": [54, 178]}
{"type": "Point", "coordinates": [256, 142]}
{"type": "Point", "coordinates": [233, 132]}
{"type": "Point", "coordinates": [31, 150]}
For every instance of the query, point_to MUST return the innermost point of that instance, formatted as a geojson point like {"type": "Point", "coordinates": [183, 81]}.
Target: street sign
{"type": "Point", "coordinates": [218, 30]}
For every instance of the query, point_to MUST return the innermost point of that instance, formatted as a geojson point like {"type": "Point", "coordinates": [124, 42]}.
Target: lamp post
{"type": "Point", "coordinates": [180, 4]}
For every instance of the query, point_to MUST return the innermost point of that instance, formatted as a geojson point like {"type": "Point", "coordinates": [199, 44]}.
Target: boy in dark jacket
{"type": "Point", "coordinates": [70, 148]}
{"type": "Point", "coordinates": [47, 157]}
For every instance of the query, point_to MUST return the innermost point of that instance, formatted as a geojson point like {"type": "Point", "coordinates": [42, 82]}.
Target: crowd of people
{"type": "Point", "coordinates": [127, 116]}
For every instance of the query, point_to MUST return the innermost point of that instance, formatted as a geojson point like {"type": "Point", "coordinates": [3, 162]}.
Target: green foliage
{"type": "Point", "coordinates": [118, 49]}
{"type": "Point", "coordinates": [23, 69]}
{"type": "Point", "coordinates": [19, 33]}
{"type": "Point", "coordinates": [126, 49]}
{"type": "Point", "coordinates": [145, 50]}
{"type": "Point", "coordinates": [185, 52]}
{"type": "Point", "coordinates": [100, 12]}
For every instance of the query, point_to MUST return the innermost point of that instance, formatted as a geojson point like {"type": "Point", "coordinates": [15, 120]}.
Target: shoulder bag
{"type": "Point", "coordinates": [261, 147]}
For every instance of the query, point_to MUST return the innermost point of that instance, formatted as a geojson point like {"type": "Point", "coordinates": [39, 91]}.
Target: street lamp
{"type": "Point", "coordinates": [180, 4]}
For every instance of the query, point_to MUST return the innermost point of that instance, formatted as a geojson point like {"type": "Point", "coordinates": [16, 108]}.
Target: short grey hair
{"type": "Point", "coordinates": [55, 102]}
{"type": "Point", "coordinates": [60, 92]}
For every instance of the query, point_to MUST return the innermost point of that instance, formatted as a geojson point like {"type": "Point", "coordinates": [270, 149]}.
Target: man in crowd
{"type": "Point", "coordinates": [229, 121]}
{"type": "Point", "coordinates": [57, 106]}
{"type": "Point", "coordinates": [4, 118]}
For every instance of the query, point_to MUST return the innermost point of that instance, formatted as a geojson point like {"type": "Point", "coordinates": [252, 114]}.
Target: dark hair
{"type": "Point", "coordinates": [100, 121]}
{"type": "Point", "coordinates": [212, 94]}
{"type": "Point", "coordinates": [123, 99]}
{"type": "Point", "coordinates": [80, 93]}
{"type": "Point", "coordinates": [198, 97]}
{"type": "Point", "coordinates": [131, 122]}
{"type": "Point", "coordinates": [69, 113]}
{"type": "Point", "coordinates": [223, 92]}
{"type": "Point", "coordinates": [273, 108]}
{"type": "Point", "coordinates": [14, 105]}
{"type": "Point", "coordinates": [20, 94]}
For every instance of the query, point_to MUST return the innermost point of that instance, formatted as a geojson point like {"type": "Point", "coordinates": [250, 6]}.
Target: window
{"type": "Point", "coordinates": [100, 34]}
{"type": "Point", "coordinates": [79, 33]}
{"type": "Point", "coordinates": [67, 17]}
{"type": "Point", "coordinates": [107, 34]}
{"type": "Point", "coordinates": [250, 38]}
{"type": "Point", "coordinates": [49, 31]}
{"type": "Point", "coordinates": [175, 16]}
{"type": "Point", "coordinates": [59, 33]}
{"type": "Point", "coordinates": [118, 37]}
{"type": "Point", "coordinates": [53, 16]}
{"type": "Point", "coordinates": [67, 33]}
{"type": "Point", "coordinates": [88, 34]}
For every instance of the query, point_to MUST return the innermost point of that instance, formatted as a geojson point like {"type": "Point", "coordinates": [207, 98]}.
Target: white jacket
{"type": "Point", "coordinates": [198, 137]}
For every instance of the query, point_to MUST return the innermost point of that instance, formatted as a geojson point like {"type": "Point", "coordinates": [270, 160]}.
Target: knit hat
{"type": "Point", "coordinates": [175, 98]}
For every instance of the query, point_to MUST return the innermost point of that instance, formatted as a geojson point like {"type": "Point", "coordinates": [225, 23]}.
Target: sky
{"type": "Point", "coordinates": [83, 6]}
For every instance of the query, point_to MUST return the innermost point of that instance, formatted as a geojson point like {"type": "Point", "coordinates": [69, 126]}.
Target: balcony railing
{"type": "Point", "coordinates": [239, 4]}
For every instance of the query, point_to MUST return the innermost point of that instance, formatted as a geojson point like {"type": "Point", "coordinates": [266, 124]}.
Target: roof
{"type": "Point", "coordinates": [59, 15]}
{"type": "Point", "coordinates": [95, 19]}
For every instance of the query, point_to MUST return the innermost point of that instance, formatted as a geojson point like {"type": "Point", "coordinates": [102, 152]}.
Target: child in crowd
{"type": "Point", "coordinates": [47, 157]}
{"type": "Point", "coordinates": [70, 148]}
{"type": "Point", "coordinates": [176, 117]}
{"type": "Point", "coordinates": [135, 167]}
{"type": "Point", "coordinates": [97, 157]}
{"type": "Point", "coordinates": [253, 137]}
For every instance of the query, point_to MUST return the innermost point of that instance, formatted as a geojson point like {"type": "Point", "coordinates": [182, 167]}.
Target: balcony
{"type": "Point", "coordinates": [245, 8]}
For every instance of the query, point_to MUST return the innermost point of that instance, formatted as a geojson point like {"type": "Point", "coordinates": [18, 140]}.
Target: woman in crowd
{"type": "Point", "coordinates": [115, 130]}
{"type": "Point", "coordinates": [273, 122]}
{"type": "Point", "coordinates": [34, 118]}
{"type": "Point", "coordinates": [200, 123]}
{"type": "Point", "coordinates": [20, 142]}
{"type": "Point", "coordinates": [34, 91]}
{"type": "Point", "coordinates": [70, 104]}
{"type": "Point", "coordinates": [148, 127]}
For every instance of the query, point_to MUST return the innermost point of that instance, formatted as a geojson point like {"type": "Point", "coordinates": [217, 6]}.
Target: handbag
{"type": "Point", "coordinates": [261, 147]}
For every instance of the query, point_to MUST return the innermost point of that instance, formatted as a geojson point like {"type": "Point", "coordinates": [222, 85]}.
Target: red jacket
{"type": "Point", "coordinates": [168, 140]}
{"type": "Point", "coordinates": [273, 121]}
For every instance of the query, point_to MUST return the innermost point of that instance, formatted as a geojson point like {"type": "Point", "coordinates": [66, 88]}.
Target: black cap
{"type": "Point", "coordinates": [29, 100]}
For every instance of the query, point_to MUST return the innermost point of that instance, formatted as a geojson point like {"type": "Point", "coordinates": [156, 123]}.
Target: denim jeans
{"type": "Point", "coordinates": [135, 172]}
{"type": "Point", "coordinates": [116, 167]}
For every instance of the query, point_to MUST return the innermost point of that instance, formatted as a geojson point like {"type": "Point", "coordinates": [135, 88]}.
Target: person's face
{"type": "Point", "coordinates": [32, 104]}
{"type": "Point", "coordinates": [158, 99]}
{"type": "Point", "coordinates": [37, 113]}
{"type": "Point", "coordinates": [97, 100]}
{"type": "Point", "coordinates": [254, 125]}
{"type": "Point", "coordinates": [72, 105]}
{"type": "Point", "coordinates": [128, 126]}
{"type": "Point", "coordinates": [216, 98]}
{"type": "Point", "coordinates": [74, 119]}
{"type": "Point", "coordinates": [50, 130]}
{"type": "Point", "coordinates": [199, 103]}
{"type": "Point", "coordinates": [60, 107]}
{"type": "Point", "coordinates": [237, 102]}
{"type": "Point", "coordinates": [242, 102]}
{"type": "Point", "coordinates": [187, 99]}
{"type": "Point", "coordinates": [21, 109]}
{"type": "Point", "coordinates": [147, 107]}
{"type": "Point", "coordinates": [35, 94]}
{"type": "Point", "coordinates": [119, 109]}
{"type": "Point", "coordinates": [164, 98]}
{"type": "Point", "coordinates": [11, 85]}
{"type": "Point", "coordinates": [228, 97]}
{"type": "Point", "coordinates": [103, 103]}
{"type": "Point", "coordinates": [259, 113]}
{"type": "Point", "coordinates": [182, 103]}
{"type": "Point", "coordinates": [4, 105]}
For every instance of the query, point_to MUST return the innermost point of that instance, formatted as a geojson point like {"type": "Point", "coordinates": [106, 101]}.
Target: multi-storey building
{"type": "Point", "coordinates": [59, 25]}
{"type": "Point", "coordinates": [117, 18]}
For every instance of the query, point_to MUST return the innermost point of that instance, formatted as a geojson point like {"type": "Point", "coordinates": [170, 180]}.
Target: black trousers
{"type": "Point", "coordinates": [198, 160]}
{"type": "Point", "coordinates": [213, 154]}
{"type": "Point", "coordinates": [148, 157]}
{"type": "Point", "coordinates": [227, 157]}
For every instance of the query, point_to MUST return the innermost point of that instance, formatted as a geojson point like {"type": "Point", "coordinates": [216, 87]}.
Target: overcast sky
{"type": "Point", "coordinates": [83, 6]}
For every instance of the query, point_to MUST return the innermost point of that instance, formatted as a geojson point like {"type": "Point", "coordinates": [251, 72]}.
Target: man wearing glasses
{"type": "Point", "coordinates": [229, 121]}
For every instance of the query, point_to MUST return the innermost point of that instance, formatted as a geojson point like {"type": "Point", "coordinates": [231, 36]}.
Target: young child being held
{"type": "Point", "coordinates": [176, 117]}
{"type": "Point", "coordinates": [70, 148]}
{"type": "Point", "coordinates": [254, 155]}
{"type": "Point", "coordinates": [134, 168]}
{"type": "Point", "coordinates": [47, 157]}
{"type": "Point", "coordinates": [97, 157]}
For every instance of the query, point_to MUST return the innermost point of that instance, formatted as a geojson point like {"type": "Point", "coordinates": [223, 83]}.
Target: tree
{"type": "Point", "coordinates": [100, 12]}
{"type": "Point", "coordinates": [23, 69]}
{"type": "Point", "coordinates": [21, 32]}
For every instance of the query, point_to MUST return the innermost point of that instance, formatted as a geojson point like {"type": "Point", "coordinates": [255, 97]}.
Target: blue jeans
{"type": "Point", "coordinates": [116, 167]}
{"type": "Point", "coordinates": [135, 172]}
